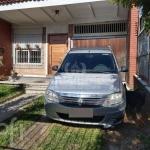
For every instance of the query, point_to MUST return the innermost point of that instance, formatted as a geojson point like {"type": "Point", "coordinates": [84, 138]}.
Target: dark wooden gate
{"type": "Point", "coordinates": [118, 45]}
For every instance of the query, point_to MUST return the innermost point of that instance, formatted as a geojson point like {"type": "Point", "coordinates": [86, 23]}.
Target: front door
{"type": "Point", "coordinates": [57, 51]}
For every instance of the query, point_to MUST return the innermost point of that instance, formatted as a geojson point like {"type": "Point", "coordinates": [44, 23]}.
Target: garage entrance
{"type": "Point", "coordinates": [111, 34]}
{"type": "Point", "coordinates": [118, 45]}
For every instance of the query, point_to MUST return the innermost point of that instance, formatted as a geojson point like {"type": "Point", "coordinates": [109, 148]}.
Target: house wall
{"type": "Point", "coordinates": [5, 41]}
{"type": "Point", "coordinates": [143, 69]}
{"type": "Point", "coordinates": [33, 36]}
{"type": "Point", "coordinates": [33, 69]}
{"type": "Point", "coordinates": [143, 61]}
{"type": "Point", "coordinates": [132, 45]}
{"type": "Point", "coordinates": [65, 28]}
{"type": "Point", "coordinates": [42, 70]}
{"type": "Point", "coordinates": [56, 28]}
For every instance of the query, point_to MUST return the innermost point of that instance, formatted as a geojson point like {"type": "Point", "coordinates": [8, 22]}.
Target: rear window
{"type": "Point", "coordinates": [89, 63]}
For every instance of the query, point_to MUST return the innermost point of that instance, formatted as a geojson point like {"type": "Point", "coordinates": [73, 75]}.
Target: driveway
{"type": "Point", "coordinates": [48, 134]}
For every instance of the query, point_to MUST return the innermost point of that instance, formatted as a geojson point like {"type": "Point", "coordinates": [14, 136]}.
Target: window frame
{"type": "Point", "coordinates": [28, 63]}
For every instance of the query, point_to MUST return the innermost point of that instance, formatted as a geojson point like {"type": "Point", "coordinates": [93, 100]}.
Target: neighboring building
{"type": "Point", "coordinates": [142, 76]}
{"type": "Point", "coordinates": [143, 59]}
{"type": "Point", "coordinates": [5, 47]}
{"type": "Point", "coordinates": [56, 26]}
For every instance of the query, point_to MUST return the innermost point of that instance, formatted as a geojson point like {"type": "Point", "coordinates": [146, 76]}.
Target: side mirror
{"type": "Point", "coordinates": [124, 69]}
{"type": "Point", "coordinates": [55, 68]}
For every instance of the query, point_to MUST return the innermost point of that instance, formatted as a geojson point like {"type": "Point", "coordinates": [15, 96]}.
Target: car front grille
{"type": "Point", "coordinates": [82, 101]}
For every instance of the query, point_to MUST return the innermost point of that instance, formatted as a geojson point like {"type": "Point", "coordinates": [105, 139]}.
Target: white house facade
{"type": "Point", "coordinates": [46, 30]}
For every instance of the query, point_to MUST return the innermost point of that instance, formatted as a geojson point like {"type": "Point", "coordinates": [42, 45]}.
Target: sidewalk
{"type": "Point", "coordinates": [11, 107]}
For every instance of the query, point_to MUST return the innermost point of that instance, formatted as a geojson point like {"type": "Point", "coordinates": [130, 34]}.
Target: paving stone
{"type": "Point", "coordinates": [29, 139]}
{"type": "Point", "coordinates": [33, 134]}
{"type": "Point", "coordinates": [42, 138]}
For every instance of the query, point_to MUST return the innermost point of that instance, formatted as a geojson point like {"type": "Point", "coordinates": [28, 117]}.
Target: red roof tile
{"type": "Point", "coordinates": [11, 1]}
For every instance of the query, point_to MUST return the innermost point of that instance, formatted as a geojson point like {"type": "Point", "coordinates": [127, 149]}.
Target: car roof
{"type": "Point", "coordinates": [91, 50]}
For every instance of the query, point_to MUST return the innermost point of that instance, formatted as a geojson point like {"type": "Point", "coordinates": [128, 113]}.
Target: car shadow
{"type": "Point", "coordinates": [127, 135]}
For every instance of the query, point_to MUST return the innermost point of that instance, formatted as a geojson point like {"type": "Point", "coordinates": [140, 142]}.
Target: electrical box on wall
{"type": "Point", "coordinates": [2, 49]}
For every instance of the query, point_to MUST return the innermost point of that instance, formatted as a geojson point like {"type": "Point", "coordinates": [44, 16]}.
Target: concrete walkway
{"type": "Point", "coordinates": [11, 107]}
{"type": "Point", "coordinates": [34, 85]}
{"type": "Point", "coordinates": [29, 81]}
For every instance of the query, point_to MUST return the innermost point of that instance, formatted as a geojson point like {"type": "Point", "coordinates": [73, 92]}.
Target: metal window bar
{"type": "Point", "coordinates": [27, 58]}
{"type": "Point", "coordinates": [22, 56]}
{"type": "Point", "coordinates": [119, 27]}
{"type": "Point", "coordinates": [35, 56]}
{"type": "Point", "coordinates": [113, 29]}
{"type": "Point", "coordinates": [100, 28]}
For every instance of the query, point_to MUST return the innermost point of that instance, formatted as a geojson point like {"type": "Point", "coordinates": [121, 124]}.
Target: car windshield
{"type": "Point", "coordinates": [89, 63]}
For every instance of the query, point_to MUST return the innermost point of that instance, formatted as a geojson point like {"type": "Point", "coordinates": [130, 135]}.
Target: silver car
{"type": "Point", "coordinates": [87, 89]}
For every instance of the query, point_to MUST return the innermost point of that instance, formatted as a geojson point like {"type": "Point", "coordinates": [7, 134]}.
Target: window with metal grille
{"type": "Point", "coordinates": [29, 51]}
{"type": "Point", "coordinates": [28, 56]}
{"type": "Point", "coordinates": [117, 27]}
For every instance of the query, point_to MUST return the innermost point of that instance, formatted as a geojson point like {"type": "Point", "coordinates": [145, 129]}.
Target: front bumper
{"type": "Point", "coordinates": [104, 116]}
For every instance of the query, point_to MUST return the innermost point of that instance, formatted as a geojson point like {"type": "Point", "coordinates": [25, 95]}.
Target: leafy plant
{"type": "Point", "coordinates": [144, 4]}
{"type": "Point", "coordinates": [7, 92]}
{"type": "Point", "coordinates": [27, 46]}
{"type": "Point", "coordinates": [37, 46]}
{"type": "Point", "coordinates": [145, 139]}
{"type": "Point", "coordinates": [17, 46]}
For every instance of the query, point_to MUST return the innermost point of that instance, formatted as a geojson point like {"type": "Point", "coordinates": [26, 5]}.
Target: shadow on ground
{"type": "Point", "coordinates": [127, 135]}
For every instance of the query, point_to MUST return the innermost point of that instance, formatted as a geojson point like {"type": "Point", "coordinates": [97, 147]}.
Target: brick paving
{"type": "Point", "coordinates": [33, 136]}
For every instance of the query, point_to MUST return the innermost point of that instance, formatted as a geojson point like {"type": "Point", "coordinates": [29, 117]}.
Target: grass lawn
{"type": "Point", "coordinates": [67, 137]}
{"type": "Point", "coordinates": [59, 136]}
{"type": "Point", "coordinates": [27, 118]}
{"type": "Point", "coordinates": [8, 92]}
{"type": "Point", "coordinates": [145, 140]}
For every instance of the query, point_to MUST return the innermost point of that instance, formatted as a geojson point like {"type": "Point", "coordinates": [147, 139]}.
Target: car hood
{"type": "Point", "coordinates": [85, 83]}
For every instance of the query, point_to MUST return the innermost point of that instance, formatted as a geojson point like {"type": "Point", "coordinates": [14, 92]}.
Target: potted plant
{"type": "Point", "coordinates": [17, 47]}
{"type": "Point", "coordinates": [37, 47]}
{"type": "Point", "coordinates": [28, 46]}
{"type": "Point", "coordinates": [12, 72]}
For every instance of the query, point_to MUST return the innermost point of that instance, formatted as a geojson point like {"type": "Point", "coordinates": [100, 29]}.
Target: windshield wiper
{"type": "Point", "coordinates": [89, 71]}
{"type": "Point", "coordinates": [69, 71]}
{"type": "Point", "coordinates": [106, 72]}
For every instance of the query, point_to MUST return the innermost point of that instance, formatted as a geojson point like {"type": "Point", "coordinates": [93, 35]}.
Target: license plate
{"type": "Point", "coordinates": [80, 113]}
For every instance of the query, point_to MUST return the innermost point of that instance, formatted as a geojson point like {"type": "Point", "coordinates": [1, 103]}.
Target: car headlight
{"type": "Point", "coordinates": [113, 99]}
{"type": "Point", "coordinates": [51, 96]}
